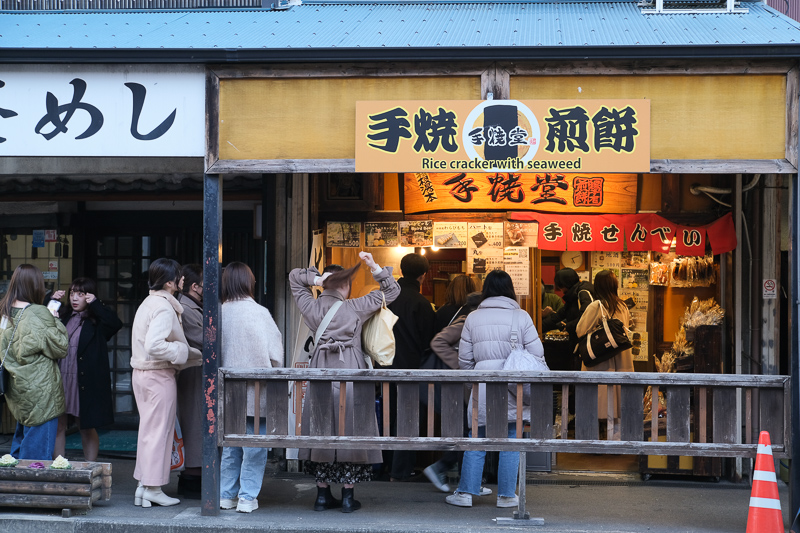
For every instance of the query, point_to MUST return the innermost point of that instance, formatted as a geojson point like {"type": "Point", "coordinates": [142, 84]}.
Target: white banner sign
{"type": "Point", "coordinates": [102, 110]}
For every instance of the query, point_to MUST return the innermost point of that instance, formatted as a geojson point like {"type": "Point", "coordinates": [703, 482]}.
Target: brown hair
{"type": "Point", "coordinates": [238, 282]}
{"type": "Point", "coordinates": [458, 290]}
{"type": "Point", "coordinates": [27, 285]}
{"type": "Point", "coordinates": [605, 287]}
{"type": "Point", "coordinates": [340, 278]}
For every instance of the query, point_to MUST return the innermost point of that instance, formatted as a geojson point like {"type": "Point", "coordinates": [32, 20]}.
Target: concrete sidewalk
{"type": "Point", "coordinates": [567, 504]}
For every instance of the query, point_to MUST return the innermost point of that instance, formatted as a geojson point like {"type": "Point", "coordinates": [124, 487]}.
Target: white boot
{"type": "Point", "coordinates": [155, 495]}
{"type": "Point", "coordinates": [137, 497]}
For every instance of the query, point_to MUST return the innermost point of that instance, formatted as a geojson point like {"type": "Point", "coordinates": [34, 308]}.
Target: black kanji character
{"type": "Point", "coordinates": [614, 129]}
{"type": "Point", "coordinates": [5, 113]}
{"type": "Point", "coordinates": [506, 188]}
{"type": "Point", "coordinates": [548, 183]}
{"type": "Point", "coordinates": [476, 136]}
{"type": "Point", "coordinates": [462, 187]}
{"type": "Point", "coordinates": [139, 93]}
{"type": "Point", "coordinates": [552, 231]}
{"type": "Point", "coordinates": [568, 128]}
{"type": "Point", "coordinates": [518, 137]}
{"type": "Point", "coordinates": [581, 232]}
{"type": "Point", "coordinates": [432, 129]}
{"type": "Point", "coordinates": [610, 233]}
{"type": "Point", "coordinates": [391, 127]}
{"type": "Point", "coordinates": [639, 233]}
{"type": "Point", "coordinates": [691, 237]}
{"type": "Point", "coordinates": [496, 135]}
{"type": "Point", "coordinates": [54, 112]}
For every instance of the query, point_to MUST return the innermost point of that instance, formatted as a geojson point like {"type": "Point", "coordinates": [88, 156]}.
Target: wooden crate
{"type": "Point", "coordinates": [76, 488]}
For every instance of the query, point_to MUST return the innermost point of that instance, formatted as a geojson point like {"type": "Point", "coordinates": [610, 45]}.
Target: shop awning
{"type": "Point", "coordinates": [636, 232]}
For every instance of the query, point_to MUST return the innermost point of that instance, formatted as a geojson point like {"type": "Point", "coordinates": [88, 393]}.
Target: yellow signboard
{"type": "Point", "coordinates": [503, 135]}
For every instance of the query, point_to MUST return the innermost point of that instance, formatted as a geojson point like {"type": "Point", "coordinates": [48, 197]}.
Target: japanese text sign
{"type": "Point", "coordinates": [545, 191]}
{"type": "Point", "coordinates": [503, 135]}
{"type": "Point", "coordinates": [103, 111]}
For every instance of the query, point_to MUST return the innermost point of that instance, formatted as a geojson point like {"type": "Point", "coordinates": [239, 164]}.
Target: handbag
{"type": "Point", "coordinates": [521, 359]}
{"type": "Point", "coordinates": [609, 338]}
{"type": "Point", "coordinates": [177, 460]}
{"type": "Point", "coordinates": [4, 375]}
{"type": "Point", "coordinates": [377, 335]}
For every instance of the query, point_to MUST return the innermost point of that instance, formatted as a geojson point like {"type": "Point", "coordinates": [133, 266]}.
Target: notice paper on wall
{"type": "Point", "coordinates": [517, 262]}
{"type": "Point", "coordinates": [484, 247]}
{"type": "Point", "coordinates": [450, 234]}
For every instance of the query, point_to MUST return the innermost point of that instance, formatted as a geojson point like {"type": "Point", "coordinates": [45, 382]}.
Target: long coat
{"type": "Point", "coordinates": [339, 347]}
{"type": "Point", "coordinates": [94, 375]}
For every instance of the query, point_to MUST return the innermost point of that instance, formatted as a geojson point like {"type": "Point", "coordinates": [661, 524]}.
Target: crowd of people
{"type": "Point", "coordinates": [57, 362]}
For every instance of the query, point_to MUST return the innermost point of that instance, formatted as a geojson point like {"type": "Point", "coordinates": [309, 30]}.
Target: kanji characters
{"type": "Point", "coordinates": [5, 113]}
{"type": "Point", "coordinates": [496, 136]}
{"type": "Point", "coordinates": [552, 231]}
{"type": "Point", "coordinates": [613, 128]}
{"type": "Point", "coordinates": [54, 112]}
{"type": "Point", "coordinates": [434, 129]}
{"type": "Point", "coordinates": [581, 232]}
{"type": "Point", "coordinates": [567, 130]}
{"type": "Point", "coordinates": [587, 192]}
{"type": "Point", "coordinates": [546, 185]}
{"type": "Point", "coordinates": [463, 187]}
{"type": "Point", "coordinates": [426, 187]}
{"type": "Point", "coordinates": [391, 126]}
{"type": "Point", "coordinates": [506, 188]}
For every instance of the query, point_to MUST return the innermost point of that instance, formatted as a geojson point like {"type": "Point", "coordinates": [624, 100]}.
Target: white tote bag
{"type": "Point", "coordinates": [377, 335]}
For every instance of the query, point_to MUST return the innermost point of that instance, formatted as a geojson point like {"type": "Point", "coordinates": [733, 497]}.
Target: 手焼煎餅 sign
{"type": "Point", "coordinates": [503, 136]}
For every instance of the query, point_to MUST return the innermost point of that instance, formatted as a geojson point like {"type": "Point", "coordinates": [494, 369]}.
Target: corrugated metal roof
{"type": "Point", "coordinates": [326, 25]}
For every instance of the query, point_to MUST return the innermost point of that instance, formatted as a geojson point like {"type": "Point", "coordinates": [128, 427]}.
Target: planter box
{"type": "Point", "coordinates": [76, 488]}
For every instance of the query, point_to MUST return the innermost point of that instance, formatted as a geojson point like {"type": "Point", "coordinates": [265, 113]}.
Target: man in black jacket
{"type": "Point", "coordinates": [413, 333]}
{"type": "Point", "coordinates": [577, 296]}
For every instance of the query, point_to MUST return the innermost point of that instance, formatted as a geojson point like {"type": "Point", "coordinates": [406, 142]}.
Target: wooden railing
{"type": "Point", "coordinates": [700, 417]}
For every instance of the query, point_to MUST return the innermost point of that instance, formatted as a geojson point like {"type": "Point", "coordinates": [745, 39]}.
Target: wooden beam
{"type": "Point", "coordinates": [212, 119]}
{"type": "Point", "coordinates": [350, 70]}
{"type": "Point", "coordinates": [792, 109]}
{"type": "Point", "coordinates": [650, 67]}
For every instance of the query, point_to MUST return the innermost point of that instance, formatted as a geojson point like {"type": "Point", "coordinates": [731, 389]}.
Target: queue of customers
{"type": "Point", "coordinates": [58, 367]}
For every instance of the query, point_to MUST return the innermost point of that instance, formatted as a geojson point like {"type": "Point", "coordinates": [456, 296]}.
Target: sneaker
{"type": "Point", "coordinates": [485, 491]}
{"type": "Point", "coordinates": [507, 501]}
{"type": "Point", "coordinates": [437, 478]}
{"type": "Point", "coordinates": [460, 499]}
{"type": "Point", "coordinates": [246, 506]}
{"type": "Point", "coordinates": [227, 503]}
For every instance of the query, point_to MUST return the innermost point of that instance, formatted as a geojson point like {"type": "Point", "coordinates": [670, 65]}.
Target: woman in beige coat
{"type": "Point", "coordinates": [609, 303]}
{"type": "Point", "coordinates": [339, 347]}
{"type": "Point", "coordinates": [159, 350]}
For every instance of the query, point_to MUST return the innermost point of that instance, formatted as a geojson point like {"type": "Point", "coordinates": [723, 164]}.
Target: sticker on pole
{"type": "Point", "coordinates": [770, 289]}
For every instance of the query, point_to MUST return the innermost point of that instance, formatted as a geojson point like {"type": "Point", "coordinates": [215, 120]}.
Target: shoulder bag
{"type": "Point", "coordinates": [377, 335]}
{"type": "Point", "coordinates": [520, 358]}
{"type": "Point", "coordinates": [609, 338]}
{"type": "Point", "coordinates": [4, 376]}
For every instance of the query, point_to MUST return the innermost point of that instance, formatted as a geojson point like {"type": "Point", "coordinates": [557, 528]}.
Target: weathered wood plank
{"type": "Point", "coordinates": [564, 411]}
{"type": "Point", "coordinates": [386, 408]}
{"type": "Point", "coordinates": [235, 406]}
{"type": "Point", "coordinates": [475, 408]}
{"type": "Point", "coordinates": [586, 422]}
{"type": "Point", "coordinates": [408, 416]}
{"type": "Point", "coordinates": [724, 415]}
{"type": "Point", "coordinates": [631, 412]}
{"type": "Point", "coordinates": [277, 408]}
{"type": "Point", "coordinates": [54, 488]}
{"type": "Point", "coordinates": [350, 70]}
{"type": "Point", "coordinates": [49, 502]}
{"type": "Point", "coordinates": [279, 166]}
{"type": "Point", "coordinates": [430, 410]}
{"type": "Point", "coordinates": [647, 67]}
{"type": "Point", "coordinates": [542, 411]}
{"type": "Point", "coordinates": [678, 408]}
{"type": "Point", "coordinates": [257, 407]}
{"type": "Point", "coordinates": [363, 408]}
{"type": "Point", "coordinates": [22, 474]}
{"type": "Point", "coordinates": [771, 414]}
{"type": "Point", "coordinates": [319, 404]}
{"type": "Point", "coordinates": [212, 119]}
{"type": "Point", "coordinates": [342, 407]}
{"type": "Point", "coordinates": [721, 166]}
{"type": "Point", "coordinates": [496, 410]}
{"type": "Point", "coordinates": [530, 445]}
{"type": "Point", "coordinates": [452, 410]}
{"type": "Point", "coordinates": [792, 94]}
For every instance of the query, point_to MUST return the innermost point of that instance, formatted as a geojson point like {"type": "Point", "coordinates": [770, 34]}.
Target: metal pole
{"type": "Point", "coordinates": [794, 295]}
{"type": "Point", "coordinates": [212, 337]}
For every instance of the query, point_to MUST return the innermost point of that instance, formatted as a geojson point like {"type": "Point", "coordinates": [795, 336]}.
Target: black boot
{"type": "Point", "coordinates": [325, 500]}
{"type": "Point", "coordinates": [349, 503]}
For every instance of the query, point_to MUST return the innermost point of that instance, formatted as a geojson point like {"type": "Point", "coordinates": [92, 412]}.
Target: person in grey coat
{"type": "Point", "coordinates": [339, 347]}
{"type": "Point", "coordinates": [485, 345]}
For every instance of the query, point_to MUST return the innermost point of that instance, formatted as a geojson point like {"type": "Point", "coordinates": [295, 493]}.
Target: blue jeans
{"type": "Point", "coordinates": [472, 468]}
{"type": "Point", "coordinates": [242, 469]}
{"type": "Point", "coordinates": [35, 442]}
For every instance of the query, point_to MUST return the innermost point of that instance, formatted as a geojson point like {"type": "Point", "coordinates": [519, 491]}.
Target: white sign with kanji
{"type": "Point", "coordinates": [102, 110]}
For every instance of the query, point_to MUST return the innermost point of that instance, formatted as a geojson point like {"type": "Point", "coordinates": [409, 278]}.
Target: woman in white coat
{"type": "Point", "coordinates": [609, 303]}
{"type": "Point", "coordinates": [250, 339]}
{"type": "Point", "coordinates": [485, 345]}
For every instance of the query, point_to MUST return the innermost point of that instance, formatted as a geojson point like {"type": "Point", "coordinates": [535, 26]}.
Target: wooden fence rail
{"type": "Point", "coordinates": [700, 417]}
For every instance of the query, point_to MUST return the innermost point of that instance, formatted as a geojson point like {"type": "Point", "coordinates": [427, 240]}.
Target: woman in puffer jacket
{"type": "Point", "coordinates": [485, 345]}
{"type": "Point", "coordinates": [159, 350]}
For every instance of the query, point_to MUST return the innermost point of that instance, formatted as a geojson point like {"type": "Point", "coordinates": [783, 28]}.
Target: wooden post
{"type": "Point", "coordinates": [212, 337]}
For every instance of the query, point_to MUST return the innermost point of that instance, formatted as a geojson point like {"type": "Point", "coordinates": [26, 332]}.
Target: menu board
{"type": "Point", "coordinates": [606, 260]}
{"type": "Point", "coordinates": [416, 233]}
{"type": "Point", "coordinates": [450, 234]}
{"type": "Point", "coordinates": [637, 260]}
{"type": "Point", "coordinates": [521, 234]}
{"type": "Point", "coordinates": [517, 263]}
{"type": "Point", "coordinates": [381, 234]}
{"type": "Point", "coordinates": [343, 234]}
{"type": "Point", "coordinates": [484, 247]}
{"type": "Point", "coordinates": [634, 279]}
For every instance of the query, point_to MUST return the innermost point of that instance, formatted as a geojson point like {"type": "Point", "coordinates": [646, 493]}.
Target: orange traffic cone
{"type": "Point", "coordinates": [765, 514]}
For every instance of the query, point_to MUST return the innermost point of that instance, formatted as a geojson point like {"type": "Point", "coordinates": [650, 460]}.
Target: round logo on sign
{"type": "Point", "coordinates": [497, 130]}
